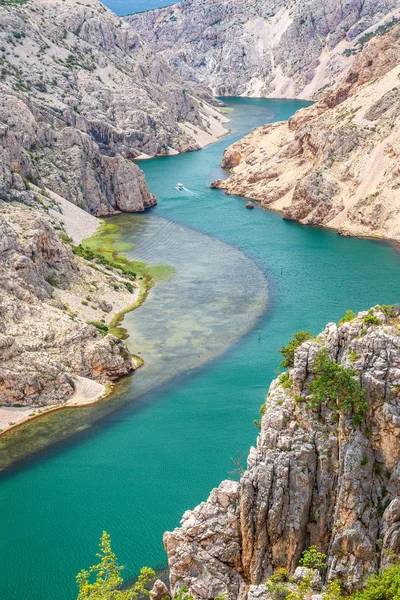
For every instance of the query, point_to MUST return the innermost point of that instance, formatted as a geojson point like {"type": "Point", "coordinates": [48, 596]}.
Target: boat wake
{"type": "Point", "coordinates": [181, 188]}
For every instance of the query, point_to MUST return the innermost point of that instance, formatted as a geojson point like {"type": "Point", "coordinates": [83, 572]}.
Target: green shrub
{"type": "Point", "coordinates": [182, 594]}
{"type": "Point", "coordinates": [389, 309]}
{"type": "Point", "coordinates": [336, 386]}
{"type": "Point", "coordinates": [103, 581]}
{"type": "Point", "coordinates": [383, 586]}
{"type": "Point", "coordinates": [371, 319]}
{"type": "Point", "coordinates": [285, 380]}
{"type": "Point", "coordinates": [280, 576]}
{"type": "Point", "coordinates": [353, 356]}
{"type": "Point", "coordinates": [278, 590]}
{"type": "Point", "coordinates": [312, 558]}
{"type": "Point", "coordinates": [288, 351]}
{"type": "Point", "coordinates": [334, 591]}
{"type": "Point", "coordinates": [349, 315]}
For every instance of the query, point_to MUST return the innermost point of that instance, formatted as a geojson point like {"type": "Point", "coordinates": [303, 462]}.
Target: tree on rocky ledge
{"type": "Point", "coordinates": [107, 579]}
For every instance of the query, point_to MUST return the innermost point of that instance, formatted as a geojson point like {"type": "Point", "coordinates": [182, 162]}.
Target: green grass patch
{"type": "Point", "coordinates": [104, 247]}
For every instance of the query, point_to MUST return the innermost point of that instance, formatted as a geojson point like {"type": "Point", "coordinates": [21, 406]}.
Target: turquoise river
{"type": "Point", "coordinates": [245, 281]}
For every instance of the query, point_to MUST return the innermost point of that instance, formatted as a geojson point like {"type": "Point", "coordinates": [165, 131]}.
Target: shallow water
{"type": "Point", "coordinates": [127, 7]}
{"type": "Point", "coordinates": [152, 455]}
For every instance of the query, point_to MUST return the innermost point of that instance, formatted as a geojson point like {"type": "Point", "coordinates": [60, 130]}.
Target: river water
{"type": "Point", "coordinates": [245, 280]}
{"type": "Point", "coordinates": [127, 7]}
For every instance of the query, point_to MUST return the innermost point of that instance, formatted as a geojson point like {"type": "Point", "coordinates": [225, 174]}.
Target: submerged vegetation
{"type": "Point", "coordinates": [103, 249]}
{"type": "Point", "coordinates": [105, 246]}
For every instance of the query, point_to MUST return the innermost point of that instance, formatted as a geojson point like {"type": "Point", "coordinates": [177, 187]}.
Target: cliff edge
{"type": "Point", "coordinates": [325, 472]}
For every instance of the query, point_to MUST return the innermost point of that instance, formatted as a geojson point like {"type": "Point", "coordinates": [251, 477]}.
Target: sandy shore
{"type": "Point", "coordinates": [87, 391]}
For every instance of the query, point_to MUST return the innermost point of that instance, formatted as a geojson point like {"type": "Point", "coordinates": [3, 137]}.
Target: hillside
{"type": "Point", "coordinates": [336, 163]}
{"type": "Point", "coordinates": [260, 48]}
{"type": "Point", "coordinates": [325, 472]}
{"type": "Point", "coordinates": [83, 96]}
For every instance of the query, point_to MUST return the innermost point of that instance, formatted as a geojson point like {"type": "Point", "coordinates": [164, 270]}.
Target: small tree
{"type": "Point", "coordinates": [107, 578]}
{"type": "Point", "coordinates": [288, 351]}
{"type": "Point", "coordinates": [312, 558]}
{"type": "Point", "coordinates": [338, 387]}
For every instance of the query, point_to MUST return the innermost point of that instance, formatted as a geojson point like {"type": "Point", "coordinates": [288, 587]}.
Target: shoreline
{"type": "Point", "coordinates": [358, 236]}
{"type": "Point", "coordinates": [87, 391]}
{"type": "Point", "coordinates": [77, 400]}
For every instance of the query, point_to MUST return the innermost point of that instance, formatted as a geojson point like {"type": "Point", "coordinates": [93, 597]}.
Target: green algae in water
{"type": "Point", "coordinates": [107, 242]}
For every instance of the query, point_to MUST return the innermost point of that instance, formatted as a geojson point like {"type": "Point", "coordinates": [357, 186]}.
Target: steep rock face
{"type": "Point", "coordinates": [313, 479]}
{"type": "Point", "coordinates": [43, 342]}
{"type": "Point", "coordinates": [261, 48]}
{"type": "Point", "coordinates": [66, 161]}
{"type": "Point", "coordinates": [83, 96]}
{"type": "Point", "coordinates": [335, 163]}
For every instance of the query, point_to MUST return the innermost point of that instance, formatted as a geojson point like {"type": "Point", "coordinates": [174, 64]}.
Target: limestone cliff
{"type": "Point", "coordinates": [336, 163]}
{"type": "Point", "coordinates": [49, 297]}
{"type": "Point", "coordinates": [314, 478]}
{"type": "Point", "coordinates": [81, 96]}
{"type": "Point", "coordinates": [279, 48]}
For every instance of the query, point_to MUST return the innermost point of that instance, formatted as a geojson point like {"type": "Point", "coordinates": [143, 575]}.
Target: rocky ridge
{"type": "Point", "coordinates": [336, 163]}
{"type": "Point", "coordinates": [81, 95]}
{"type": "Point", "coordinates": [48, 301]}
{"type": "Point", "coordinates": [314, 478]}
{"type": "Point", "coordinates": [283, 48]}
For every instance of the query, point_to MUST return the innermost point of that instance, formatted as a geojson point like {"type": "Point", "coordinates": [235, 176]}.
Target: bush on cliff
{"type": "Point", "coordinates": [383, 586]}
{"type": "Point", "coordinates": [312, 558]}
{"type": "Point", "coordinates": [338, 387]}
{"type": "Point", "coordinates": [288, 351]}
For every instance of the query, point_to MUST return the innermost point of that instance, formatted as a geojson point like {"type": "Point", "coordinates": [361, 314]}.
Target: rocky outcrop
{"type": "Point", "coordinates": [336, 163]}
{"type": "Point", "coordinates": [314, 478]}
{"type": "Point", "coordinates": [81, 96]}
{"type": "Point", "coordinates": [64, 160]}
{"type": "Point", "coordinates": [283, 48]}
{"type": "Point", "coordinates": [44, 342]}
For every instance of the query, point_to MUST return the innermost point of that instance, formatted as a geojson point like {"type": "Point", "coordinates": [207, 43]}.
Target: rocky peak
{"type": "Point", "coordinates": [262, 48]}
{"type": "Point", "coordinates": [314, 478]}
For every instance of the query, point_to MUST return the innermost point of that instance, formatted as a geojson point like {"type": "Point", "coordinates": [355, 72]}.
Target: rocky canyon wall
{"type": "Point", "coordinates": [314, 478]}
{"type": "Point", "coordinates": [279, 48]}
{"type": "Point", "coordinates": [335, 164]}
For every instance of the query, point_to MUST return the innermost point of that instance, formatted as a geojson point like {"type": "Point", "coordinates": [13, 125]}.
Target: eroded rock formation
{"type": "Point", "coordinates": [336, 163]}
{"type": "Point", "coordinates": [44, 341]}
{"type": "Point", "coordinates": [314, 478]}
{"type": "Point", "coordinates": [282, 48]}
{"type": "Point", "coordinates": [81, 95]}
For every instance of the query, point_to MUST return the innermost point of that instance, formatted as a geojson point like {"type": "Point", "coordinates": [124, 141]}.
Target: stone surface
{"type": "Point", "coordinates": [44, 342]}
{"type": "Point", "coordinates": [81, 96]}
{"type": "Point", "coordinates": [279, 48]}
{"type": "Point", "coordinates": [336, 163]}
{"type": "Point", "coordinates": [311, 480]}
{"type": "Point", "coordinates": [159, 591]}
